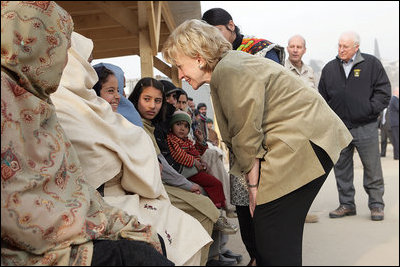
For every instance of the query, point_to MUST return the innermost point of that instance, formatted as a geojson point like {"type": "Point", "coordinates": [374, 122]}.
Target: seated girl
{"type": "Point", "coordinates": [125, 107]}
{"type": "Point", "coordinates": [189, 156]}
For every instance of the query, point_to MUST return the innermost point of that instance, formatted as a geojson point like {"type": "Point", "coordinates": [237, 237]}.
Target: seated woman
{"type": "Point", "coordinates": [125, 107]}
{"type": "Point", "coordinates": [119, 157]}
{"type": "Point", "coordinates": [189, 156]}
{"type": "Point", "coordinates": [107, 86]}
{"type": "Point", "coordinates": [49, 214]}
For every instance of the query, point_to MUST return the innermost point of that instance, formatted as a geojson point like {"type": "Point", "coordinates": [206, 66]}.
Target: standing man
{"type": "Point", "coordinates": [393, 110]}
{"type": "Point", "coordinates": [202, 108]}
{"type": "Point", "coordinates": [296, 49]}
{"type": "Point", "coordinates": [386, 130]}
{"type": "Point", "coordinates": [356, 87]}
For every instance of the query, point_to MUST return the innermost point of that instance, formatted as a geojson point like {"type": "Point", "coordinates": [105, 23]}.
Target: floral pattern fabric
{"type": "Point", "coordinates": [49, 214]}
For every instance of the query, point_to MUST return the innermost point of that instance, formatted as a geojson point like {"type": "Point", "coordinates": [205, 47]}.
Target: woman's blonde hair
{"type": "Point", "coordinates": [196, 38]}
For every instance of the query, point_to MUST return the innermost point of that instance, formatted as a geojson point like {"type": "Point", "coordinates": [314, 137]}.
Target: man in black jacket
{"type": "Point", "coordinates": [356, 87]}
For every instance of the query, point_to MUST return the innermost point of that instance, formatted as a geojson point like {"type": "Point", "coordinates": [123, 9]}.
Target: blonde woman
{"type": "Point", "coordinates": [284, 137]}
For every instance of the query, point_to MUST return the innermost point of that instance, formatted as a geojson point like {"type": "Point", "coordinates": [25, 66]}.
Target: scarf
{"type": "Point", "coordinates": [253, 45]}
{"type": "Point", "coordinates": [257, 46]}
{"type": "Point", "coordinates": [149, 128]}
{"type": "Point", "coordinates": [49, 214]}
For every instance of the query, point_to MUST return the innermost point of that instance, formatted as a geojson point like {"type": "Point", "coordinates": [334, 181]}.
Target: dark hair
{"type": "Point", "coordinates": [218, 16]}
{"type": "Point", "coordinates": [200, 105]}
{"type": "Point", "coordinates": [137, 91]}
{"type": "Point", "coordinates": [190, 98]}
{"type": "Point", "coordinates": [181, 92]}
{"type": "Point", "coordinates": [169, 87]}
{"type": "Point", "coordinates": [103, 73]}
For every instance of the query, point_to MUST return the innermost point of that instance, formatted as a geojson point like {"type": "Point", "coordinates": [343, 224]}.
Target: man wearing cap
{"type": "Point", "coordinates": [170, 92]}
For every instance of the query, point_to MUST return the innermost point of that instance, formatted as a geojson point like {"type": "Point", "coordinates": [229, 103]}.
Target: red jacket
{"type": "Point", "coordinates": [184, 151]}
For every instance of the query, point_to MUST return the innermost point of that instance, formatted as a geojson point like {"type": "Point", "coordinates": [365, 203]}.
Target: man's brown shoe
{"type": "Point", "coordinates": [342, 211]}
{"type": "Point", "coordinates": [377, 214]}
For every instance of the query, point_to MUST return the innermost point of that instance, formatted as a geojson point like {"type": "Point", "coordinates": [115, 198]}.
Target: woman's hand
{"type": "Point", "coordinates": [252, 200]}
{"type": "Point", "coordinates": [252, 182]}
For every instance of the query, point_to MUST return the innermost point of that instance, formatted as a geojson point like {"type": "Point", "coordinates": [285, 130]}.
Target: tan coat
{"type": "Point", "coordinates": [306, 73]}
{"type": "Point", "coordinates": [264, 111]}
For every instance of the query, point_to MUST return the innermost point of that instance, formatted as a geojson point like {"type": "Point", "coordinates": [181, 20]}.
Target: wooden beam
{"type": "Point", "coordinates": [168, 17]}
{"type": "Point", "coordinates": [123, 43]}
{"type": "Point", "coordinates": [94, 21]}
{"type": "Point", "coordinates": [175, 78]}
{"type": "Point", "coordinates": [115, 53]}
{"type": "Point", "coordinates": [154, 17]}
{"type": "Point", "coordinates": [76, 8]}
{"type": "Point", "coordinates": [119, 13]}
{"type": "Point", "coordinates": [161, 66]}
{"type": "Point", "coordinates": [105, 33]}
{"type": "Point", "coordinates": [146, 53]}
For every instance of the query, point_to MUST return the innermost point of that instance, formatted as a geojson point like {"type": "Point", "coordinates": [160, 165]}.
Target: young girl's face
{"type": "Point", "coordinates": [181, 129]}
{"type": "Point", "coordinates": [150, 102]}
{"type": "Point", "coordinates": [109, 91]}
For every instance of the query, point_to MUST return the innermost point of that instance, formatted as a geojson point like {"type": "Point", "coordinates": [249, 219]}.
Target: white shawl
{"type": "Point", "coordinates": [106, 142]}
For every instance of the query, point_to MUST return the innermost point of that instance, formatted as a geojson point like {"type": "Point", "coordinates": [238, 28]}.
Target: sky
{"type": "Point", "coordinates": [319, 22]}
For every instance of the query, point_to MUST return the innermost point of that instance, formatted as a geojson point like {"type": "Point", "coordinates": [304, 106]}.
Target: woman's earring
{"type": "Point", "coordinates": [200, 66]}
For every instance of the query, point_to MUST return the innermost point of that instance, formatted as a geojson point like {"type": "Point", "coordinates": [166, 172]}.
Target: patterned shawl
{"type": "Point", "coordinates": [49, 214]}
{"type": "Point", "coordinates": [260, 47]}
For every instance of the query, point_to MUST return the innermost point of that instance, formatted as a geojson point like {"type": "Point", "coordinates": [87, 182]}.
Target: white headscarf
{"type": "Point", "coordinates": [109, 140]}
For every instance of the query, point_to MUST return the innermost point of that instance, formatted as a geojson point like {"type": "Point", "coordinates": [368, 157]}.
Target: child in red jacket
{"type": "Point", "coordinates": [189, 156]}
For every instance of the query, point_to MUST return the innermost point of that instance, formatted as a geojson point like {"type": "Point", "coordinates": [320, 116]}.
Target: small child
{"type": "Point", "coordinates": [189, 156]}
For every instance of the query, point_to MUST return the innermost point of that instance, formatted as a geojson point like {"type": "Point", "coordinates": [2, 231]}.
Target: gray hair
{"type": "Point", "coordinates": [298, 35]}
{"type": "Point", "coordinates": [353, 36]}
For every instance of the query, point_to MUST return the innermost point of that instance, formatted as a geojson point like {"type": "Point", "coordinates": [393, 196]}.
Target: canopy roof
{"type": "Point", "coordinates": [123, 28]}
